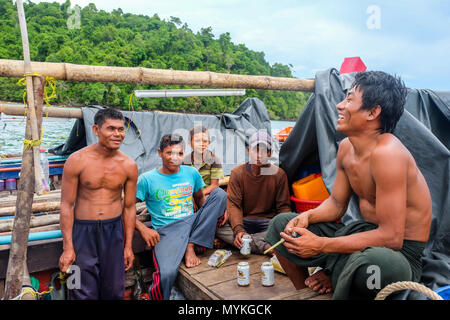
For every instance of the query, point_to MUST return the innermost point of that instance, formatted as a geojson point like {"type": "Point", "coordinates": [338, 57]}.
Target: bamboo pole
{"type": "Point", "coordinates": [19, 241]}
{"type": "Point", "coordinates": [36, 207]}
{"type": "Point", "coordinates": [53, 112]}
{"type": "Point", "coordinates": [75, 72]}
{"type": "Point", "coordinates": [49, 227]}
{"type": "Point", "coordinates": [7, 225]}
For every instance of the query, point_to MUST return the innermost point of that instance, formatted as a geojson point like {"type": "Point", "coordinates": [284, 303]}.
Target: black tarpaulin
{"type": "Point", "coordinates": [228, 132]}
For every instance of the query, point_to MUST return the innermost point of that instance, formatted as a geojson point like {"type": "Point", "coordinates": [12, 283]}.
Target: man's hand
{"type": "Point", "coordinates": [238, 239]}
{"type": "Point", "coordinates": [225, 218]}
{"type": "Point", "coordinates": [300, 221]}
{"type": "Point", "coordinates": [128, 258]}
{"type": "Point", "coordinates": [150, 236]}
{"type": "Point", "coordinates": [306, 245]}
{"type": "Point", "coordinates": [66, 260]}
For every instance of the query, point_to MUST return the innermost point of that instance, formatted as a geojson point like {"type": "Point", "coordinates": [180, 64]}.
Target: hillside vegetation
{"type": "Point", "coordinates": [129, 40]}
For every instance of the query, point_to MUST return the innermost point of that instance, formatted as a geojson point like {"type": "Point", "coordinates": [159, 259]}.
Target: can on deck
{"type": "Point", "coordinates": [243, 274]}
{"type": "Point", "coordinates": [267, 276]}
{"type": "Point", "coordinates": [246, 239]}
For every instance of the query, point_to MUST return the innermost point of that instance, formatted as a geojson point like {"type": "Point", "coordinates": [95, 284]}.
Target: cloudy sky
{"type": "Point", "coordinates": [408, 38]}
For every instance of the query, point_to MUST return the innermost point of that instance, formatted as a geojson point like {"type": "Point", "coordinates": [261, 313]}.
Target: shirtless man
{"type": "Point", "coordinates": [97, 224]}
{"type": "Point", "coordinates": [394, 200]}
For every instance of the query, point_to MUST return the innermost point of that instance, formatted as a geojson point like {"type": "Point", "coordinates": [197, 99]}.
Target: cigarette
{"type": "Point", "coordinates": [274, 246]}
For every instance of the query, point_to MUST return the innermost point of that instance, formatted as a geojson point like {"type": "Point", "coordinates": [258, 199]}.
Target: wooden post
{"type": "Point", "coordinates": [26, 188]}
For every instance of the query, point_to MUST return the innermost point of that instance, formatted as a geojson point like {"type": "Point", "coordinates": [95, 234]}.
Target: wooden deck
{"type": "Point", "coordinates": [208, 283]}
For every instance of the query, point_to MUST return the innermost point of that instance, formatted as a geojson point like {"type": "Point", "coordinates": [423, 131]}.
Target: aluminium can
{"type": "Point", "coordinates": [267, 274]}
{"type": "Point", "coordinates": [246, 239]}
{"type": "Point", "coordinates": [243, 274]}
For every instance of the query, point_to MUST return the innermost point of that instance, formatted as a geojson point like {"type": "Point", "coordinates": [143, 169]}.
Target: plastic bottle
{"type": "Point", "coordinates": [44, 170]}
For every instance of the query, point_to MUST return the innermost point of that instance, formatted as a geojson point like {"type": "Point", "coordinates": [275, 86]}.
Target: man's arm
{"type": "Point", "coordinates": [282, 197]}
{"type": "Point", "coordinates": [199, 198]}
{"type": "Point", "coordinates": [234, 203]}
{"type": "Point", "coordinates": [129, 212]}
{"type": "Point", "coordinates": [389, 166]}
{"type": "Point", "coordinates": [390, 210]}
{"type": "Point", "coordinates": [214, 184]}
{"type": "Point", "coordinates": [150, 236]}
{"type": "Point", "coordinates": [69, 188]}
{"type": "Point", "coordinates": [335, 206]}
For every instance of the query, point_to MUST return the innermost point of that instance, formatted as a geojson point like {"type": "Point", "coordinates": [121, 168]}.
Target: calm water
{"type": "Point", "coordinates": [12, 133]}
{"type": "Point", "coordinates": [56, 131]}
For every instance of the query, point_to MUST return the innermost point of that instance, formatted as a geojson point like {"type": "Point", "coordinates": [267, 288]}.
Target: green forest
{"type": "Point", "coordinates": [129, 40]}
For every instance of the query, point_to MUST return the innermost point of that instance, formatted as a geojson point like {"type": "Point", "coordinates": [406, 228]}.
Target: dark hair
{"type": "Point", "coordinates": [380, 88]}
{"type": "Point", "coordinates": [169, 140]}
{"type": "Point", "coordinates": [107, 113]}
{"type": "Point", "coordinates": [197, 129]}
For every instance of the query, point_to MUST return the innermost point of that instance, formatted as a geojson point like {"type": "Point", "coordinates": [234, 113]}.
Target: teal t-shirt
{"type": "Point", "coordinates": [168, 197]}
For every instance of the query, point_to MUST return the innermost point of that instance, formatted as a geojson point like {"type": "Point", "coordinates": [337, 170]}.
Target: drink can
{"type": "Point", "coordinates": [246, 239]}
{"type": "Point", "coordinates": [243, 274]}
{"type": "Point", "coordinates": [267, 276]}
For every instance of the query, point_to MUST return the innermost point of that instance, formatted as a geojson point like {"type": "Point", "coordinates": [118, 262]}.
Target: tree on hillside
{"type": "Point", "coordinates": [129, 40]}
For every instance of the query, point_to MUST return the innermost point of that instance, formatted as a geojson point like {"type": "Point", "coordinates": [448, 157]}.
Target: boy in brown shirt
{"type": "Point", "coordinates": [257, 191]}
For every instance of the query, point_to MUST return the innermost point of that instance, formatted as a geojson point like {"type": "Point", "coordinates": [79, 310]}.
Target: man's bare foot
{"type": "Point", "coordinates": [190, 258]}
{"type": "Point", "coordinates": [319, 282]}
{"type": "Point", "coordinates": [218, 244]}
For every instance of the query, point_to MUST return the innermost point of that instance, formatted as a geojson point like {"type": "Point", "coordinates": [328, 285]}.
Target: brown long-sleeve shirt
{"type": "Point", "coordinates": [256, 195]}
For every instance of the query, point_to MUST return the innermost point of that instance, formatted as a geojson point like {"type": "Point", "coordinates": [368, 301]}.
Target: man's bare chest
{"type": "Point", "coordinates": [103, 176]}
{"type": "Point", "coordinates": [360, 178]}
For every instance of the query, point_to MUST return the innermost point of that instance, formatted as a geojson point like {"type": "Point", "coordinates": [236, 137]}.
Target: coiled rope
{"type": "Point", "coordinates": [405, 285]}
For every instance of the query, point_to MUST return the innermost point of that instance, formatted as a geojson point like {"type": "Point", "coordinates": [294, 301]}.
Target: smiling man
{"type": "Point", "coordinates": [257, 191]}
{"type": "Point", "coordinates": [386, 246]}
{"type": "Point", "coordinates": [97, 224]}
{"type": "Point", "coordinates": [176, 232]}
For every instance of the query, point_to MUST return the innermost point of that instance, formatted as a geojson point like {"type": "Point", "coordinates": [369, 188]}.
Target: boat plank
{"type": "Point", "coordinates": [192, 289]}
{"type": "Point", "coordinates": [301, 294]}
{"type": "Point", "coordinates": [224, 273]}
{"type": "Point", "coordinates": [234, 259]}
{"type": "Point", "coordinates": [230, 290]}
{"type": "Point", "coordinates": [327, 296]}
{"type": "Point", "coordinates": [205, 282]}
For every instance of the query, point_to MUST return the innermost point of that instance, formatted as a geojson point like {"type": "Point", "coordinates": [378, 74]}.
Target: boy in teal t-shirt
{"type": "Point", "coordinates": [169, 196]}
{"type": "Point", "coordinates": [169, 193]}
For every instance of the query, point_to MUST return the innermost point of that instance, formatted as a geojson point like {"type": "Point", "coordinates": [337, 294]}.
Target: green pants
{"type": "Point", "coordinates": [359, 275]}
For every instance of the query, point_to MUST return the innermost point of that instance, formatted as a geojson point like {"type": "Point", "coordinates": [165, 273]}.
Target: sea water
{"type": "Point", "coordinates": [12, 133]}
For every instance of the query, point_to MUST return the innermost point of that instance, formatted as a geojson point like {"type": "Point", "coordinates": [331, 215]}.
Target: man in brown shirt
{"type": "Point", "coordinates": [257, 191]}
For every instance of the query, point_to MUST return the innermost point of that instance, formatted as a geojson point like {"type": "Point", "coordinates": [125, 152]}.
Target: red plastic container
{"type": "Point", "coordinates": [304, 205]}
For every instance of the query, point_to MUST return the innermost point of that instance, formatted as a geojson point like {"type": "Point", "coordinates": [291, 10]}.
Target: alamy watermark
{"type": "Point", "coordinates": [73, 281]}
{"type": "Point", "coordinates": [231, 147]}
{"type": "Point", "coordinates": [374, 280]}
{"type": "Point", "coordinates": [74, 20]}
{"type": "Point", "coordinates": [373, 22]}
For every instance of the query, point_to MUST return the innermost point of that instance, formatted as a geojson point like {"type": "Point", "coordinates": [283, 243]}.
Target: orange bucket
{"type": "Point", "coordinates": [310, 188]}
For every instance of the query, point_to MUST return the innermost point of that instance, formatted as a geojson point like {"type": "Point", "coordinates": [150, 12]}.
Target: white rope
{"type": "Point", "coordinates": [405, 285]}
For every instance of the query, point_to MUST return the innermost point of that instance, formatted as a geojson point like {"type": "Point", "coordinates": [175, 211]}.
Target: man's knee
{"type": "Point", "coordinates": [382, 266]}
{"type": "Point", "coordinates": [219, 194]}
{"type": "Point", "coordinates": [279, 222]}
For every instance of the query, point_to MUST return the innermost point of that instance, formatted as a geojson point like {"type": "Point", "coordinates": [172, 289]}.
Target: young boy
{"type": "Point", "coordinates": [206, 162]}
{"type": "Point", "coordinates": [169, 193]}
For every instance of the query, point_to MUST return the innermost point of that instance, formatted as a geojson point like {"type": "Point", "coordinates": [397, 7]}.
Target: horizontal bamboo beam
{"type": "Point", "coordinates": [37, 207]}
{"type": "Point", "coordinates": [53, 112]}
{"type": "Point", "coordinates": [76, 72]}
{"type": "Point", "coordinates": [40, 221]}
